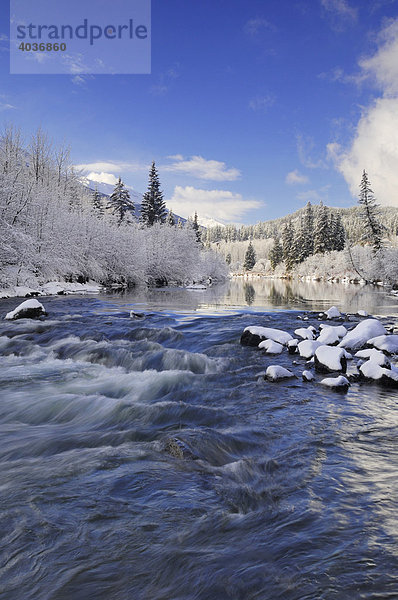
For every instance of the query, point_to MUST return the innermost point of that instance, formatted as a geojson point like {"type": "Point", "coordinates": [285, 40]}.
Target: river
{"type": "Point", "coordinates": [146, 458]}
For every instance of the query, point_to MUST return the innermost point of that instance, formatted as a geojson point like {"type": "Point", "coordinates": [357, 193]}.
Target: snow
{"type": "Point", "coordinates": [28, 304]}
{"type": "Point", "coordinates": [196, 286]}
{"type": "Point", "coordinates": [328, 336]}
{"type": "Point", "coordinates": [271, 347]}
{"type": "Point", "coordinates": [374, 355]}
{"type": "Point", "coordinates": [277, 335]}
{"type": "Point", "coordinates": [339, 329]}
{"type": "Point", "coordinates": [307, 348]}
{"type": "Point", "coordinates": [275, 372]}
{"type": "Point", "coordinates": [333, 313]}
{"type": "Point", "coordinates": [336, 382]}
{"type": "Point", "coordinates": [362, 313]}
{"type": "Point", "coordinates": [364, 331]}
{"type": "Point", "coordinates": [292, 343]}
{"type": "Point", "coordinates": [371, 370]}
{"type": "Point", "coordinates": [307, 376]}
{"type": "Point", "coordinates": [304, 333]}
{"type": "Point", "coordinates": [388, 343]}
{"type": "Point", "coordinates": [330, 357]}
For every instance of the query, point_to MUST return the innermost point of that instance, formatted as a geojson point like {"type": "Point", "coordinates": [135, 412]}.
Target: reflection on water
{"type": "Point", "coordinates": [267, 294]}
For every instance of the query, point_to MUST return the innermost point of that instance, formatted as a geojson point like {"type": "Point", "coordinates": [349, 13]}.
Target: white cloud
{"type": "Point", "coordinates": [374, 146]}
{"type": "Point", "coordinates": [262, 102]}
{"type": "Point", "coordinates": [340, 12]}
{"type": "Point", "coordinates": [221, 205]}
{"type": "Point", "coordinates": [254, 26]}
{"type": "Point", "coordinates": [295, 177]}
{"type": "Point", "coordinates": [6, 106]}
{"type": "Point", "coordinates": [315, 195]}
{"type": "Point", "coordinates": [102, 177]}
{"type": "Point", "coordinates": [199, 167]}
{"type": "Point", "coordinates": [305, 150]}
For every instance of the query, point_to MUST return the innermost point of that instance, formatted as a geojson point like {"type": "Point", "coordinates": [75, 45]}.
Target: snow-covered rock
{"type": "Point", "coordinates": [275, 373]}
{"type": "Point", "coordinates": [375, 356]}
{"type": "Point", "coordinates": [329, 359]}
{"type": "Point", "coordinates": [53, 288]}
{"type": "Point", "coordinates": [30, 309]}
{"type": "Point", "coordinates": [333, 313]}
{"type": "Point", "coordinates": [364, 331]}
{"type": "Point", "coordinates": [340, 383]}
{"type": "Point", "coordinates": [307, 376]}
{"type": "Point", "coordinates": [328, 336]}
{"type": "Point", "coordinates": [196, 286]}
{"type": "Point", "coordinates": [388, 343]}
{"type": "Point", "coordinates": [270, 347]}
{"type": "Point", "coordinates": [339, 329]}
{"type": "Point", "coordinates": [305, 334]}
{"type": "Point", "coordinates": [292, 346]}
{"type": "Point", "coordinates": [362, 313]}
{"type": "Point", "coordinates": [253, 335]}
{"type": "Point", "coordinates": [307, 348]}
{"type": "Point", "coordinates": [370, 370]}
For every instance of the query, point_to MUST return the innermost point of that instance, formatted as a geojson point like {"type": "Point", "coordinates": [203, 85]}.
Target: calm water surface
{"type": "Point", "coordinates": [147, 459]}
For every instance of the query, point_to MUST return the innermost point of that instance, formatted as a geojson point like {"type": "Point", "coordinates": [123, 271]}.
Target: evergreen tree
{"type": "Point", "coordinates": [153, 208]}
{"type": "Point", "coordinates": [288, 245]}
{"type": "Point", "coordinates": [196, 228]}
{"type": "Point", "coordinates": [307, 232]}
{"type": "Point", "coordinates": [275, 254]}
{"type": "Point", "coordinates": [171, 219]}
{"type": "Point", "coordinates": [339, 234]}
{"type": "Point", "coordinates": [250, 258]}
{"type": "Point", "coordinates": [370, 215]}
{"type": "Point", "coordinates": [119, 201]}
{"type": "Point", "coordinates": [97, 203]}
{"type": "Point", "coordinates": [228, 259]}
{"type": "Point", "coordinates": [322, 230]}
{"type": "Point", "coordinates": [179, 224]}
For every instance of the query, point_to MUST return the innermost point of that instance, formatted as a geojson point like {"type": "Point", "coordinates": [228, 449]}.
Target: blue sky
{"type": "Point", "coordinates": [252, 108]}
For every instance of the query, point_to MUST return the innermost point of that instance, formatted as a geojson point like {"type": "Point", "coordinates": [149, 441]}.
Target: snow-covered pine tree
{"type": "Point", "coordinates": [275, 255]}
{"type": "Point", "coordinates": [322, 230]}
{"type": "Point", "coordinates": [250, 258]}
{"type": "Point", "coordinates": [170, 219]}
{"type": "Point", "coordinates": [119, 201]}
{"type": "Point", "coordinates": [228, 259]}
{"type": "Point", "coordinates": [307, 230]}
{"type": "Point", "coordinates": [289, 246]}
{"type": "Point", "coordinates": [370, 215]}
{"type": "Point", "coordinates": [196, 228]}
{"type": "Point", "coordinates": [339, 234]}
{"type": "Point", "coordinates": [153, 207]}
{"type": "Point", "coordinates": [97, 203]}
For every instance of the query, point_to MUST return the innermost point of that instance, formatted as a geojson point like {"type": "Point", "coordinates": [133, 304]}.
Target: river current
{"type": "Point", "coordinates": [145, 458]}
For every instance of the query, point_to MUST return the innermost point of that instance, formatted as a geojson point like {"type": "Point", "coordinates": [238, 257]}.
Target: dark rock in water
{"type": "Point", "coordinates": [250, 339]}
{"type": "Point", "coordinates": [178, 449]}
{"type": "Point", "coordinates": [30, 309]}
{"type": "Point", "coordinates": [134, 315]}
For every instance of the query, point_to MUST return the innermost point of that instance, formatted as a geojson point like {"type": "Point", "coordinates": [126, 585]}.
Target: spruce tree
{"type": "Point", "coordinates": [97, 203]}
{"type": "Point", "coordinates": [228, 259]}
{"type": "Point", "coordinates": [153, 207]}
{"type": "Point", "coordinates": [307, 229]}
{"type": "Point", "coordinates": [250, 258]}
{"type": "Point", "coordinates": [196, 228]}
{"type": "Point", "coordinates": [369, 215]}
{"type": "Point", "coordinates": [339, 234]}
{"type": "Point", "coordinates": [289, 246]}
{"type": "Point", "coordinates": [322, 230]}
{"type": "Point", "coordinates": [275, 255]}
{"type": "Point", "coordinates": [171, 219]}
{"type": "Point", "coordinates": [119, 201]}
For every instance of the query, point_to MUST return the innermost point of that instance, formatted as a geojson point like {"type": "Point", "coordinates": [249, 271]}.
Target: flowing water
{"type": "Point", "coordinates": [146, 458]}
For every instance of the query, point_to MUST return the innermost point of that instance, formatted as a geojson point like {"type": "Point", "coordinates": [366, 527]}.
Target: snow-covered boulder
{"type": "Point", "coordinates": [340, 384]}
{"type": "Point", "coordinates": [307, 376]}
{"type": "Point", "coordinates": [135, 315]}
{"type": "Point", "coordinates": [329, 359]}
{"type": "Point", "coordinates": [388, 343]}
{"type": "Point", "coordinates": [362, 313]}
{"type": "Point", "coordinates": [307, 348]}
{"type": "Point", "coordinates": [53, 288]}
{"type": "Point", "coordinates": [332, 313]}
{"type": "Point", "coordinates": [270, 347]}
{"type": "Point", "coordinates": [253, 335]}
{"type": "Point", "coordinates": [371, 371]}
{"type": "Point", "coordinates": [305, 334]}
{"type": "Point", "coordinates": [375, 356]}
{"type": "Point", "coordinates": [364, 331]}
{"type": "Point", "coordinates": [328, 336]}
{"type": "Point", "coordinates": [275, 373]}
{"type": "Point", "coordinates": [30, 309]}
{"type": "Point", "coordinates": [339, 329]}
{"type": "Point", "coordinates": [292, 346]}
